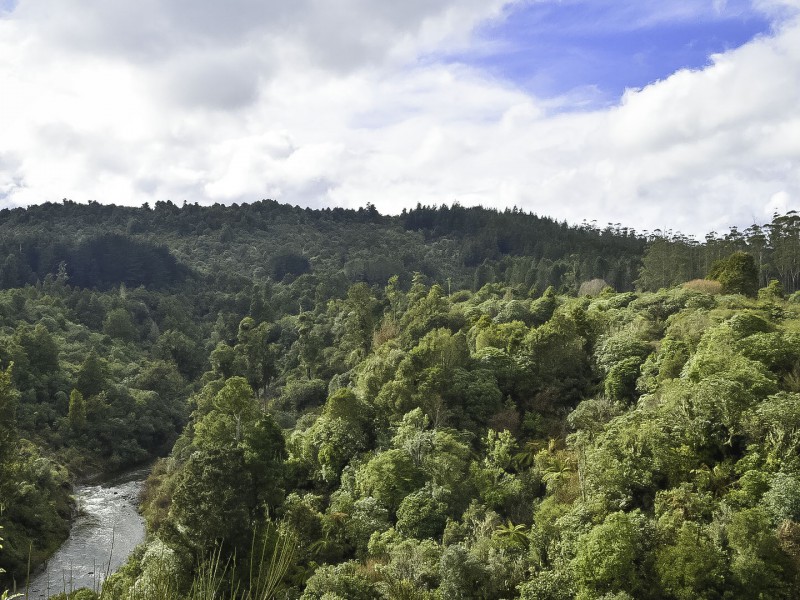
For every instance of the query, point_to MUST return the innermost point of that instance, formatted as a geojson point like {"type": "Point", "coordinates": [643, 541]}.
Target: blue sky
{"type": "Point", "coordinates": [494, 102]}
{"type": "Point", "coordinates": [593, 50]}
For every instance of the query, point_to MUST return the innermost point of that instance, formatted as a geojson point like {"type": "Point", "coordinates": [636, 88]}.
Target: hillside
{"type": "Point", "coordinates": [234, 245]}
{"type": "Point", "coordinates": [419, 406]}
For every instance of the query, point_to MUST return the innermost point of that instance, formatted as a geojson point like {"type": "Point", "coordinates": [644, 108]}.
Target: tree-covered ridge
{"type": "Point", "coordinates": [231, 245]}
{"type": "Point", "coordinates": [228, 247]}
{"type": "Point", "coordinates": [672, 259]}
{"type": "Point", "coordinates": [486, 445]}
{"type": "Point", "coordinates": [420, 404]}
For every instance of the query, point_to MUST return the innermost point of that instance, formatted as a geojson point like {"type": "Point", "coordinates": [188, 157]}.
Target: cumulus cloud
{"type": "Point", "coordinates": [318, 103]}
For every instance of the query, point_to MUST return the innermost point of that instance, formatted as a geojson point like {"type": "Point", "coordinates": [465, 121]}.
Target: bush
{"type": "Point", "coordinates": [773, 292]}
{"type": "Point", "coordinates": [738, 274]}
{"type": "Point", "coordinates": [301, 394]}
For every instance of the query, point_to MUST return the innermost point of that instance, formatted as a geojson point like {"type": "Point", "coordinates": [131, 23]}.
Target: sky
{"type": "Point", "coordinates": [672, 115]}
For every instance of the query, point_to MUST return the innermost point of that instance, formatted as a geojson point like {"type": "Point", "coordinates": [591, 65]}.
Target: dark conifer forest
{"type": "Point", "coordinates": [449, 403]}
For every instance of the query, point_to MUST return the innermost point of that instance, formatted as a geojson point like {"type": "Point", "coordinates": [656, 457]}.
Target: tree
{"type": "Point", "coordinates": [784, 237]}
{"type": "Point", "coordinates": [9, 397]}
{"type": "Point", "coordinates": [310, 342]}
{"type": "Point", "coordinates": [463, 575]}
{"type": "Point", "coordinates": [258, 346]}
{"type": "Point", "coordinates": [692, 567]}
{"type": "Point", "coordinates": [91, 375]}
{"type": "Point", "coordinates": [773, 292]}
{"type": "Point", "coordinates": [338, 435]}
{"type": "Point", "coordinates": [264, 454]}
{"type": "Point", "coordinates": [738, 274]}
{"type": "Point", "coordinates": [301, 394]}
{"type": "Point", "coordinates": [666, 262]}
{"type": "Point", "coordinates": [422, 514]}
{"type": "Point", "coordinates": [555, 357]}
{"type": "Point", "coordinates": [118, 324]}
{"type": "Point", "coordinates": [213, 498]}
{"type": "Point", "coordinates": [359, 321]}
{"type": "Point", "coordinates": [77, 410]}
{"type": "Point", "coordinates": [515, 534]}
{"type": "Point", "coordinates": [225, 362]}
{"type": "Point", "coordinates": [615, 556]}
{"type": "Point", "coordinates": [760, 568]}
{"type": "Point", "coordinates": [183, 351]}
{"type": "Point", "coordinates": [41, 348]}
{"type": "Point", "coordinates": [368, 517]}
{"type": "Point", "coordinates": [412, 570]}
{"type": "Point", "coordinates": [620, 383]}
{"type": "Point", "coordinates": [345, 581]}
{"type": "Point", "coordinates": [289, 264]}
{"type": "Point", "coordinates": [782, 500]}
{"type": "Point", "coordinates": [235, 400]}
{"type": "Point", "coordinates": [389, 477]}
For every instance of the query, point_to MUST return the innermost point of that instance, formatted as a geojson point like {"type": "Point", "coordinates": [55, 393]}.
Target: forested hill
{"type": "Point", "coordinates": [232, 244]}
{"type": "Point", "coordinates": [447, 403]}
{"type": "Point", "coordinates": [100, 246]}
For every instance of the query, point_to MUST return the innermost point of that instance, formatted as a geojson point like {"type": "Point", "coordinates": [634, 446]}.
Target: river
{"type": "Point", "coordinates": [102, 537]}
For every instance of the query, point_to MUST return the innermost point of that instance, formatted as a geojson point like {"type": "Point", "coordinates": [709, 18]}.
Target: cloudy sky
{"type": "Point", "coordinates": [671, 114]}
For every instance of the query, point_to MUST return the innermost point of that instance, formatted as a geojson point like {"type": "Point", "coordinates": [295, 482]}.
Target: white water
{"type": "Point", "coordinates": [104, 534]}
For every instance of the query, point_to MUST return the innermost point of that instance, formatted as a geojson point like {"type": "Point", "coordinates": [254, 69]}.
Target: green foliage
{"type": "Point", "coordinates": [160, 571]}
{"type": "Point", "coordinates": [9, 397]}
{"type": "Point", "coordinates": [758, 565]}
{"type": "Point", "coordinates": [118, 324]}
{"type": "Point", "coordinates": [234, 438]}
{"type": "Point", "coordinates": [616, 556]}
{"type": "Point", "coordinates": [77, 410]}
{"type": "Point", "coordinates": [773, 292]}
{"type": "Point", "coordinates": [620, 383]}
{"type": "Point", "coordinates": [463, 575]}
{"type": "Point", "coordinates": [346, 581]}
{"type": "Point", "coordinates": [214, 498]}
{"type": "Point", "coordinates": [417, 439]}
{"type": "Point", "coordinates": [302, 394]}
{"type": "Point", "coordinates": [738, 274]}
{"type": "Point", "coordinates": [389, 477]}
{"type": "Point", "coordinates": [91, 375]}
{"type": "Point", "coordinates": [34, 506]}
{"type": "Point", "coordinates": [82, 594]}
{"type": "Point", "coordinates": [782, 500]}
{"type": "Point", "coordinates": [288, 264]}
{"type": "Point", "coordinates": [422, 514]}
{"type": "Point", "coordinates": [336, 436]}
{"type": "Point", "coordinates": [693, 566]}
{"type": "Point", "coordinates": [548, 585]}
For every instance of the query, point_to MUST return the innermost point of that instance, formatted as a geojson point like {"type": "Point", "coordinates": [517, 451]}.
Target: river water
{"type": "Point", "coordinates": [107, 529]}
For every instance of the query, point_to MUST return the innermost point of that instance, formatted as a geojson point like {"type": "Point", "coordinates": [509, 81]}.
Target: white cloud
{"type": "Point", "coordinates": [318, 103]}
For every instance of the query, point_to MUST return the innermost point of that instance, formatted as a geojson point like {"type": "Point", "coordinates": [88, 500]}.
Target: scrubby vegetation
{"type": "Point", "coordinates": [430, 435]}
{"type": "Point", "coordinates": [493, 446]}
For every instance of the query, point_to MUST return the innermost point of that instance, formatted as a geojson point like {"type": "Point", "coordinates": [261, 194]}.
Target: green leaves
{"type": "Point", "coordinates": [214, 498]}
{"type": "Point", "coordinates": [737, 273]}
{"type": "Point", "coordinates": [693, 566]}
{"type": "Point", "coordinates": [616, 557]}
{"type": "Point", "coordinates": [389, 477]}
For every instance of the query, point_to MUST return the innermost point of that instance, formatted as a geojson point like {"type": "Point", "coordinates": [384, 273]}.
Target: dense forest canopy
{"type": "Point", "coordinates": [448, 403]}
{"type": "Point", "coordinates": [469, 246]}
